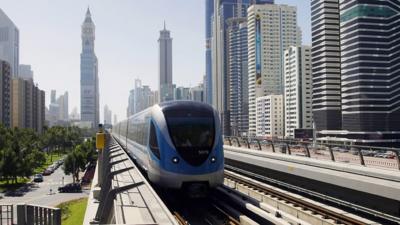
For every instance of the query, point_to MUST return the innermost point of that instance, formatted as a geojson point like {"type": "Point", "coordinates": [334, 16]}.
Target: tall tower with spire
{"type": "Point", "coordinates": [89, 74]}
{"type": "Point", "coordinates": [165, 65]}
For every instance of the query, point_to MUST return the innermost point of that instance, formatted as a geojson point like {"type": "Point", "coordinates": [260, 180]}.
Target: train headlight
{"type": "Point", "coordinates": [213, 159]}
{"type": "Point", "coordinates": [175, 160]}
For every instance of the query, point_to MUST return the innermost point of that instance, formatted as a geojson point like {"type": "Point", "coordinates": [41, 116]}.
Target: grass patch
{"type": "Point", "coordinates": [12, 186]}
{"type": "Point", "coordinates": [73, 212]}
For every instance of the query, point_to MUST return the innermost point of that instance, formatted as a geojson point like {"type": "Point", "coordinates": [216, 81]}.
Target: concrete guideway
{"type": "Point", "coordinates": [376, 188]}
{"type": "Point", "coordinates": [135, 201]}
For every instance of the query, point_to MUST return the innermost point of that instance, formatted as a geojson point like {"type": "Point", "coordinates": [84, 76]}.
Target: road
{"type": "Point", "coordinates": [39, 194]}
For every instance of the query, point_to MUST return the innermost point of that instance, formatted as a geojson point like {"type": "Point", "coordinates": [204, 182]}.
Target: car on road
{"type": "Point", "coordinates": [38, 178]}
{"type": "Point", "coordinates": [47, 172]}
{"type": "Point", "coordinates": [70, 188]}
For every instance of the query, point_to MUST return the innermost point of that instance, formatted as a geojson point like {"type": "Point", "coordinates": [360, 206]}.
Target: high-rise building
{"type": "Point", "coordinates": [89, 74]}
{"type": "Point", "coordinates": [182, 93]}
{"type": "Point", "coordinates": [208, 84]}
{"type": "Point", "coordinates": [25, 72]}
{"type": "Point", "coordinates": [131, 103]}
{"type": "Point", "coordinates": [196, 93]}
{"type": "Point", "coordinates": [107, 115]}
{"type": "Point", "coordinates": [224, 10]}
{"type": "Point", "coordinates": [165, 65]}
{"type": "Point", "coordinates": [28, 105]}
{"type": "Point", "coordinates": [53, 96]}
{"type": "Point", "coordinates": [325, 17]}
{"type": "Point", "coordinates": [9, 43]}
{"type": "Point", "coordinates": [355, 71]}
{"type": "Point", "coordinates": [271, 30]}
{"type": "Point", "coordinates": [269, 114]}
{"type": "Point", "coordinates": [5, 93]}
{"type": "Point", "coordinates": [238, 105]}
{"type": "Point", "coordinates": [62, 102]}
{"type": "Point", "coordinates": [298, 89]}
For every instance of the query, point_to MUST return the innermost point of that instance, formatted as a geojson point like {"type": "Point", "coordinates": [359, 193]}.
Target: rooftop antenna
{"type": "Point", "coordinates": [164, 24]}
{"type": "Point", "coordinates": [239, 8]}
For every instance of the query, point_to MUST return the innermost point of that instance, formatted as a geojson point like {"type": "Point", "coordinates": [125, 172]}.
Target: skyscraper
{"type": "Point", "coordinates": [25, 72]}
{"type": "Point", "coordinates": [271, 30]}
{"type": "Point", "coordinates": [5, 93]}
{"type": "Point", "coordinates": [326, 64]}
{"type": "Point", "coordinates": [89, 74]}
{"type": "Point", "coordinates": [9, 43]}
{"type": "Point", "coordinates": [238, 107]}
{"type": "Point", "coordinates": [361, 48]}
{"type": "Point", "coordinates": [298, 89]}
{"type": "Point", "coordinates": [224, 10]}
{"type": "Point", "coordinates": [207, 85]}
{"type": "Point", "coordinates": [165, 65]}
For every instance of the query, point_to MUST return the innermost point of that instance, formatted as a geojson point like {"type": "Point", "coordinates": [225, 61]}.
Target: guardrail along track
{"type": "Point", "coordinates": [316, 209]}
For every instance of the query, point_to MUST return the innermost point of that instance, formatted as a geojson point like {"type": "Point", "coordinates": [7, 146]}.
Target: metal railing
{"type": "Point", "coordinates": [6, 215]}
{"type": "Point", "coordinates": [37, 215]}
{"type": "Point", "coordinates": [327, 151]}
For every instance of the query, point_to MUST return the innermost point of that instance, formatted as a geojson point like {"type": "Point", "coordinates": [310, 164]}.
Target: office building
{"type": "Point", "coordinates": [196, 93]}
{"type": "Point", "coordinates": [237, 64]}
{"type": "Point", "coordinates": [28, 105]}
{"type": "Point", "coordinates": [165, 66]}
{"type": "Point", "coordinates": [9, 43]}
{"type": "Point", "coordinates": [325, 16]}
{"type": "Point", "coordinates": [5, 93]}
{"type": "Point", "coordinates": [62, 102]}
{"type": "Point", "coordinates": [269, 114]}
{"type": "Point", "coordinates": [271, 30]}
{"type": "Point", "coordinates": [115, 119]}
{"type": "Point", "coordinates": [182, 93]}
{"type": "Point", "coordinates": [298, 89]}
{"type": "Point", "coordinates": [89, 74]}
{"type": "Point", "coordinates": [25, 72]}
{"type": "Point", "coordinates": [369, 69]}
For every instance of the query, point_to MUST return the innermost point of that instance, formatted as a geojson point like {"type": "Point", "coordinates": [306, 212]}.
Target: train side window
{"type": "Point", "coordinates": [153, 143]}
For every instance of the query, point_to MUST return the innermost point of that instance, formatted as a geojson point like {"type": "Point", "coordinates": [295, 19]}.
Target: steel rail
{"type": "Point", "coordinates": [325, 213]}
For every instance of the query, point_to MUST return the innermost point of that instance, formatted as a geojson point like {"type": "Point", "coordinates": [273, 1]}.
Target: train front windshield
{"type": "Point", "coordinates": [192, 131]}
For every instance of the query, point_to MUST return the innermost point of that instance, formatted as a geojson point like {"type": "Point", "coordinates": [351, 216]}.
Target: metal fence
{"type": "Point", "coordinates": [37, 215]}
{"type": "Point", "coordinates": [363, 155]}
{"type": "Point", "coordinates": [6, 215]}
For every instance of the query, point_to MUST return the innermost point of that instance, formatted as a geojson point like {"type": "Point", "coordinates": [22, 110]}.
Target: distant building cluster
{"type": "Point", "coordinates": [265, 83]}
{"type": "Point", "coordinates": [22, 103]}
{"type": "Point", "coordinates": [58, 113]}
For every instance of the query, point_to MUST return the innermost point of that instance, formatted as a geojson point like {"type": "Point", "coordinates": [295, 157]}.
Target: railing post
{"type": "Point", "coordinates": [21, 214]}
{"type": "Point", "coordinates": [331, 153]}
{"type": "Point", "coordinates": [288, 148]}
{"type": "Point", "coordinates": [307, 150]}
{"type": "Point", "coordinates": [230, 141]}
{"type": "Point", "coordinates": [273, 147]}
{"type": "Point", "coordinates": [238, 142]}
{"type": "Point", "coordinates": [56, 216]}
{"type": "Point", "coordinates": [361, 156]}
{"type": "Point", "coordinates": [398, 158]}
{"type": "Point", "coordinates": [247, 142]}
{"type": "Point", "coordinates": [259, 145]}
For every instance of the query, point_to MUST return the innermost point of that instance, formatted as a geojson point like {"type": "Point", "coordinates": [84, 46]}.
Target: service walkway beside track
{"type": "Point", "coordinates": [127, 197]}
{"type": "Point", "coordinates": [377, 189]}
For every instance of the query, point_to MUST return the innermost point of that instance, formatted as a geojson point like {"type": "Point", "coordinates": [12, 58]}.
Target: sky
{"type": "Point", "coordinates": [125, 45]}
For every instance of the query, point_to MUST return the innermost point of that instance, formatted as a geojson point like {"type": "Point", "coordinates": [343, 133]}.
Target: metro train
{"type": "Point", "coordinates": [178, 144]}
